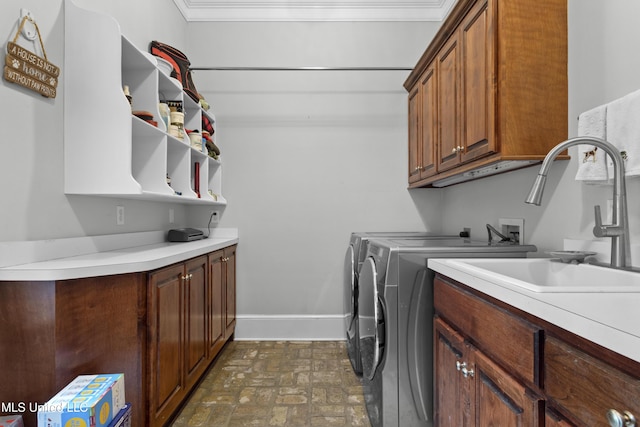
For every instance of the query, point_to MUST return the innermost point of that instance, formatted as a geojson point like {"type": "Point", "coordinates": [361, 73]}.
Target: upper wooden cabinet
{"type": "Point", "coordinates": [422, 108]}
{"type": "Point", "coordinates": [490, 92]}
{"type": "Point", "coordinates": [448, 106]}
{"type": "Point", "coordinates": [477, 94]}
{"type": "Point", "coordinates": [414, 130]}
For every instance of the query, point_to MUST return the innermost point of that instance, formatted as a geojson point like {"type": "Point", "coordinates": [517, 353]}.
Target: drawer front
{"type": "Point", "coordinates": [511, 341]}
{"type": "Point", "coordinates": [585, 387]}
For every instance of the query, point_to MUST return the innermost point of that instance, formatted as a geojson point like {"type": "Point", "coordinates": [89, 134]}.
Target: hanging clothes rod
{"type": "Point", "coordinates": [300, 69]}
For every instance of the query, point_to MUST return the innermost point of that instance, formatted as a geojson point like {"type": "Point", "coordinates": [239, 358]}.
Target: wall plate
{"type": "Point", "coordinates": [507, 226]}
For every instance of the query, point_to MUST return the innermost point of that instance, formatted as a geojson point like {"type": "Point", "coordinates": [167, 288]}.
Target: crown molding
{"type": "Point", "coordinates": [314, 10]}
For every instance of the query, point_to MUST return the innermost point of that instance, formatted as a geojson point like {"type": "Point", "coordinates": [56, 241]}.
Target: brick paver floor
{"type": "Point", "coordinates": [278, 383]}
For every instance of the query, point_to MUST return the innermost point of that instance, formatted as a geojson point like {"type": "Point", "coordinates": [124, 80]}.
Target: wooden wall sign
{"type": "Point", "coordinates": [29, 70]}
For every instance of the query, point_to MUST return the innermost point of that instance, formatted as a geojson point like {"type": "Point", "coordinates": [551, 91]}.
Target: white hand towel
{"type": "Point", "coordinates": [592, 163]}
{"type": "Point", "coordinates": [623, 129]}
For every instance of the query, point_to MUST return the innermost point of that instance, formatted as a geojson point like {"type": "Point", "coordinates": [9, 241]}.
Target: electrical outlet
{"type": "Point", "coordinates": [119, 215]}
{"type": "Point", "coordinates": [171, 216]}
{"type": "Point", "coordinates": [512, 228]}
{"type": "Point", "coordinates": [215, 217]}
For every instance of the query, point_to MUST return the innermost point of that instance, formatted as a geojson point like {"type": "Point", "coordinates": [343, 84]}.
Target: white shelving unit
{"type": "Point", "coordinates": [107, 150]}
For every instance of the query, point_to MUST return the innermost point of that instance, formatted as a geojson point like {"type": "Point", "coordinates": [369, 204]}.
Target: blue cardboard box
{"type": "Point", "coordinates": [88, 401]}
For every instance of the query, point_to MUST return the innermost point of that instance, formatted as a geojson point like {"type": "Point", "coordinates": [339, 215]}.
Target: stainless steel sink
{"type": "Point", "coordinates": [546, 275]}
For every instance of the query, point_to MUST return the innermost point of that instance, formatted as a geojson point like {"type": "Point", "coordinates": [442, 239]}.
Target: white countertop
{"type": "Point", "coordinates": [72, 258]}
{"type": "Point", "coordinates": [611, 320]}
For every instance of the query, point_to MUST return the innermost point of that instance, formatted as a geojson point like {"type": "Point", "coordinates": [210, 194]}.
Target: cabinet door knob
{"type": "Point", "coordinates": [190, 276]}
{"type": "Point", "coordinates": [467, 372]}
{"type": "Point", "coordinates": [454, 150]}
{"type": "Point", "coordinates": [462, 367]}
{"type": "Point", "coordinates": [617, 419]}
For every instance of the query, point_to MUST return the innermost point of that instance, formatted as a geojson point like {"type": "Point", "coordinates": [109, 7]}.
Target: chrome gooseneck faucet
{"type": "Point", "coordinates": [619, 230]}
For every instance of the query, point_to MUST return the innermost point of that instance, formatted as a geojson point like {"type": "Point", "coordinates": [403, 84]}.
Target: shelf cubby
{"type": "Point", "coordinates": [107, 150]}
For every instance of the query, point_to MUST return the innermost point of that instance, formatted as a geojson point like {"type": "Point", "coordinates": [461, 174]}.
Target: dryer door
{"type": "Point", "coordinates": [350, 301]}
{"type": "Point", "coordinates": [371, 318]}
{"type": "Point", "coordinates": [349, 297]}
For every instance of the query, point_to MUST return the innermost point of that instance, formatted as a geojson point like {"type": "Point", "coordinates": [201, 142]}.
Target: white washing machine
{"type": "Point", "coordinates": [353, 259]}
{"type": "Point", "coordinates": [395, 321]}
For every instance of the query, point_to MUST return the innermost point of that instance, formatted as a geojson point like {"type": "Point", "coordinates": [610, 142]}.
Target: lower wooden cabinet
{"type": "Point", "coordinates": [166, 342]}
{"type": "Point", "coordinates": [500, 400]}
{"type": "Point", "coordinates": [189, 307]}
{"type": "Point", "coordinates": [221, 298]}
{"type": "Point", "coordinates": [451, 400]}
{"type": "Point", "coordinates": [195, 321]}
{"type": "Point", "coordinates": [230, 290]}
{"type": "Point", "coordinates": [588, 390]}
{"type": "Point", "coordinates": [177, 334]}
{"type": "Point", "coordinates": [216, 300]}
{"type": "Point", "coordinates": [162, 329]}
{"type": "Point", "coordinates": [554, 420]}
{"type": "Point", "coordinates": [472, 390]}
{"type": "Point", "coordinates": [53, 331]}
{"type": "Point", "coordinates": [496, 365]}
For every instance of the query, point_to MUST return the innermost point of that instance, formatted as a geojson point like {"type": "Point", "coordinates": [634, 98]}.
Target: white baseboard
{"type": "Point", "coordinates": [290, 328]}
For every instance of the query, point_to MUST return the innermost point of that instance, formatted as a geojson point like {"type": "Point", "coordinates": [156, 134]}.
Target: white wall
{"type": "Point", "coordinates": [309, 157]}
{"type": "Point", "coordinates": [299, 169]}
{"type": "Point", "coordinates": [31, 149]}
{"type": "Point", "coordinates": [601, 69]}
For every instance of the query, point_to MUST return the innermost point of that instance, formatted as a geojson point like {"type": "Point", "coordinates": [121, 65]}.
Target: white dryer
{"type": "Point", "coordinates": [395, 321]}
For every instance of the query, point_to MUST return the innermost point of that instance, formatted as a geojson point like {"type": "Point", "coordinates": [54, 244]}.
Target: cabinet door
{"type": "Point", "coordinates": [500, 400]}
{"type": "Point", "coordinates": [552, 419]}
{"type": "Point", "coordinates": [585, 387]}
{"type": "Point", "coordinates": [448, 72]}
{"type": "Point", "coordinates": [511, 341]}
{"type": "Point", "coordinates": [478, 89]}
{"type": "Point", "coordinates": [450, 399]}
{"type": "Point", "coordinates": [215, 297]}
{"type": "Point", "coordinates": [166, 342]}
{"type": "Point", "coordinates": [429, 123]}
{"type": "Point", "coordinates": [414, 133]}
{"type": "Point", "coordinates": [195, 303]}
{"type": "Point", "coordinates": [230, 290]}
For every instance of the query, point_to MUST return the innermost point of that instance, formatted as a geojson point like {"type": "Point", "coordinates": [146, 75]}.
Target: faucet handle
{"type": "Point", "coordinates": [598, 230]}
{"type": "Point", "coordinates": [604, 230]}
